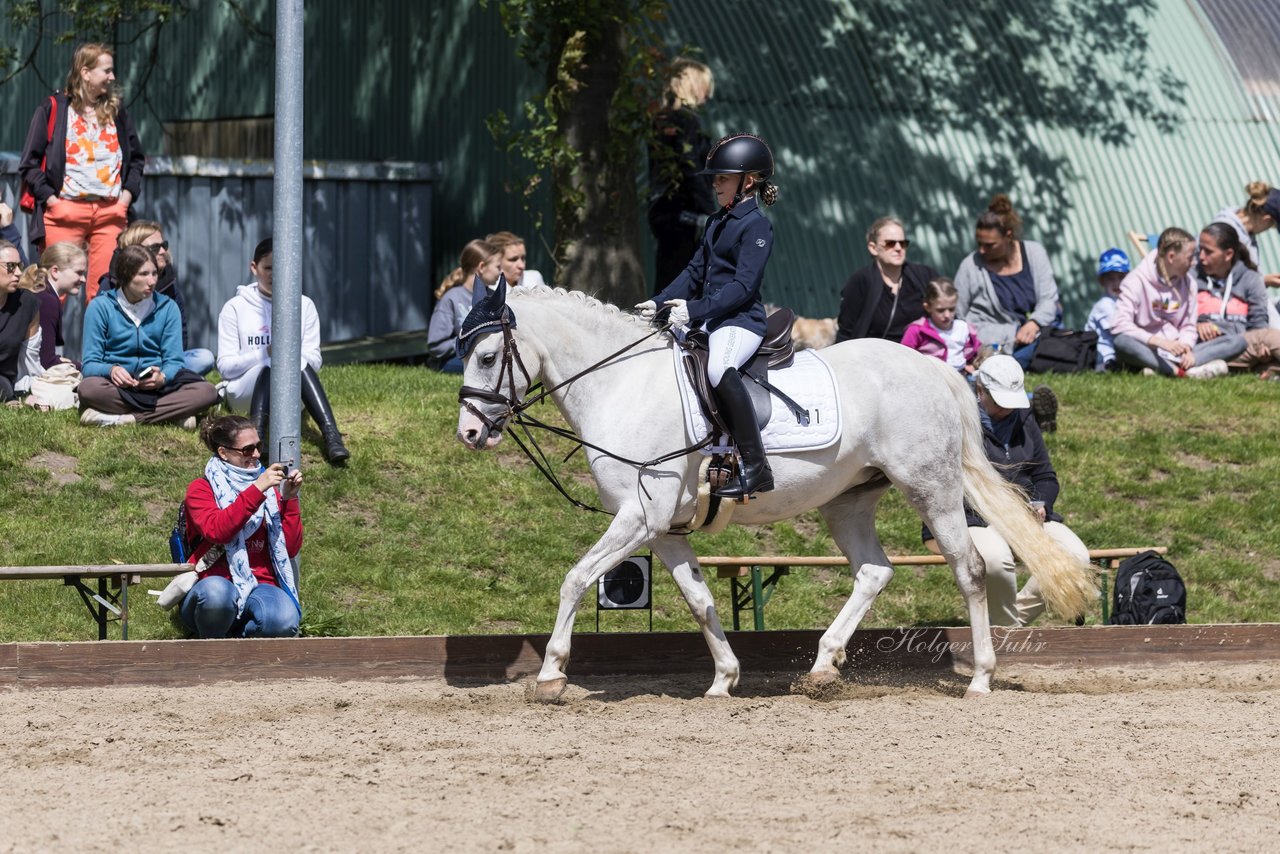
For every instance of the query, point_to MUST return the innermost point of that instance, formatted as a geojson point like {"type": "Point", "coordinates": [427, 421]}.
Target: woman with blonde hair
{"type": "Point", "coordinates": [1259, 213]}
{"type": "Point", "coordinates": [680, 197]}
{"type": "Point", "coordinates": [60, 273]}
{"type": "Point", "coordinates": [82, 161]}
{"type": "Point", "coordinates": [453, 302]}
{"type": "Point", "coordinates": [512, 263]}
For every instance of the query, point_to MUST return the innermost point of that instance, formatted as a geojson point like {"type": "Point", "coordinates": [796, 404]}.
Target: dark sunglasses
{"type": "Point", "coordinates": [889, 244]}
{"type": "Point", "coordinates": [11, 266]}
{"type": "Point", "coordinates": [157, 248]}
{"type": "Point", "coordinates": [247, 450]}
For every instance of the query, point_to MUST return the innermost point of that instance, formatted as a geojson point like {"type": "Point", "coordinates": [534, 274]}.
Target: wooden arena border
{"type": "Point", "coordinates": [468, 658]}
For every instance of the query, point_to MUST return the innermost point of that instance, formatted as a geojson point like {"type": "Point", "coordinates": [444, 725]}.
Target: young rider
{"type": "Point", "coordinates": [720, 292]}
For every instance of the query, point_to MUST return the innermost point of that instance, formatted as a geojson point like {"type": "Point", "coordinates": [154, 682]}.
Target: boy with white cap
{"type": "Point", "coordinates": [1015, 445]}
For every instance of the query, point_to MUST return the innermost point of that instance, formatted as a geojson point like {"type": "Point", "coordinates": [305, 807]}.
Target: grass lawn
{"type": "Point", "coordinates": [420, 536]}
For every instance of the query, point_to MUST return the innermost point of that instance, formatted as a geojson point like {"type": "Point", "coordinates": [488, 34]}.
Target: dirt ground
{"type": "Point", "coordinates": [1055, 759]}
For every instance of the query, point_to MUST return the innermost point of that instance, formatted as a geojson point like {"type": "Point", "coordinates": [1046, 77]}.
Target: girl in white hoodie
{"type": "Point", "coordinates": [244, 356]}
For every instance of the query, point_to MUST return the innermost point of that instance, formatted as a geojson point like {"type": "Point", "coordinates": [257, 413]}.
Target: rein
{"type": "Point", "coordinates": [516, 412]}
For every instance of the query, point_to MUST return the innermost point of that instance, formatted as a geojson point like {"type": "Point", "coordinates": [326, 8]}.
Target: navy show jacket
{"type": "Point", "coordinates": [722, 282]}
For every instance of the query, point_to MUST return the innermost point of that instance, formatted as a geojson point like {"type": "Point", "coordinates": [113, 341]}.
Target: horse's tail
{"type": "Point", "coordinates": [1067, 584]}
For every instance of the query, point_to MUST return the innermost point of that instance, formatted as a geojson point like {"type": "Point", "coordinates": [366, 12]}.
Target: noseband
{"type": "Point", "coordinates": [510, 400]}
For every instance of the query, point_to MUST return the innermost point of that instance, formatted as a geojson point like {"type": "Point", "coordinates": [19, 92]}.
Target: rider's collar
{"type": "Point", "coordinates": [489, 313]}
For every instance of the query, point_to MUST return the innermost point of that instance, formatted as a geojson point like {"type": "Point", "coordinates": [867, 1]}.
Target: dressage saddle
{"type": "Point", "coordinates": [776, 351]}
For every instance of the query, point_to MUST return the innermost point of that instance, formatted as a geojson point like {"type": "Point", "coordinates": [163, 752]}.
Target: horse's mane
{"type": "Point", "coordinates": [580, 298]}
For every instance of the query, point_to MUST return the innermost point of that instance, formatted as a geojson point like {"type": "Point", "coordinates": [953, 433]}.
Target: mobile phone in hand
{"type": "Point", "coordinates": [147, 372]}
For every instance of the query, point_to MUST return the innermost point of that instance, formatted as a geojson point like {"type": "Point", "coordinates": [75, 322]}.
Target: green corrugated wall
{"type": "Point", "coordinates": [913, 107]}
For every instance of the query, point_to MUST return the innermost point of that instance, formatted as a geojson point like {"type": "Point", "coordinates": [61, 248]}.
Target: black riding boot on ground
{"type": "Point", "coordinates": [735, 404]}
{"type": "Point", "coordinates": [260, 408]}
{"type": "Point", "coordinates": [313, 398]}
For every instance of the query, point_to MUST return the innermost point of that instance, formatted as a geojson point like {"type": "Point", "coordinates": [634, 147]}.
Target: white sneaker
{"type": "Point", "coordinates": [92, 418]}
{"type": "Point", "coordinates": [1209, 370]}
{"type": "Point", "coordinates": [188, 423]}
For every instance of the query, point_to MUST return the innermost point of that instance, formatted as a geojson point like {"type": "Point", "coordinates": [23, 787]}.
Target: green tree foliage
{"type": "Point", "coordinates": [601, 60]}
{"type": "Point", "coordinates": [33, 22]}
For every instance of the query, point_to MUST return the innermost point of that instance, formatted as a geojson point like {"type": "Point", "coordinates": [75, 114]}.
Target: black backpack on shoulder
{"type": "Point", "coordinates": [1148, 591]}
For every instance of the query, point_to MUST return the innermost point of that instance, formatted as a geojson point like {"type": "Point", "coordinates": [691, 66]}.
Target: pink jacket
{"type": "Point", "coordinates": [921, 335]}
{"type": "Point", "coordinates": [1148, 307]}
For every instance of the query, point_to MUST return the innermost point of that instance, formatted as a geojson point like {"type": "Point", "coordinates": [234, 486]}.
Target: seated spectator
{"type": "Point", "coordinates": [453, 303]}
{"type": "Point", "coordinates": [1015, 445]}
{"type": "Point", "coordinates": [1154, 326]}
{"type": "Point", "coordinates": [1112, 268]}
{"type": "Point", "coordinates": [1232, 300]}
{"type": "Point", "coordinates": [244, 356]}
{"type": "Point", "coordinates": [19, 323]}
{"type": "Point", "coordinates": [513, 259]}
{"type": "Point", "coordinates": [150, 236]}
{"type": "Point", "coordinates": [132, 361]}
{"type": "Point", "coordinates": [1007, 289]}
{"type": "Point", "coordinates": [9, 232]}
{"type": "Point", "coordinates": [61, 272]}
{"type": "Point", "coordinates": [881, 299]}
{"type": "Point", "coordinates": [248, 526]}
{"type": "Point", "coordinates": [939, 333]}
{"type": "Point", "coordinates": [1259, 213]}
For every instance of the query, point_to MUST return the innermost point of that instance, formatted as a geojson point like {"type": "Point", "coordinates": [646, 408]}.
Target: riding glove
{"type": "Point", "coordinates": [679, 315]}
{"type": "Point", "coordinates": [647, 309]}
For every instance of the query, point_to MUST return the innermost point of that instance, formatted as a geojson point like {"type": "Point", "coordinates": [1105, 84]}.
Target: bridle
{"type": "Point", "coordinates": [516, 412]}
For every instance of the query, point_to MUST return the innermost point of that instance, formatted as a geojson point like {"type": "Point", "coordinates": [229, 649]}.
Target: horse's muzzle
{"type": "Point", "coordinates": [478, 435]}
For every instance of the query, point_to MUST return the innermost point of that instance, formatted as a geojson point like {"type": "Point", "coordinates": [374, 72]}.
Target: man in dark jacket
{"type": "Point", "coordinates": [1016, 446]}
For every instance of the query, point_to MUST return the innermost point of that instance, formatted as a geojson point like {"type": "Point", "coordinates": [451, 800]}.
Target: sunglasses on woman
{"type": "Point", "coordinates": [11, 266]}
{"type": "Point", "coordinates": [247, 450]}
{"type": "Point", "coordinates": [157, 248]}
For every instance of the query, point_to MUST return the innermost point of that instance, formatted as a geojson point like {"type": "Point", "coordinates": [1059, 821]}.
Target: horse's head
{"type": "Point", "coordinates": [494, 375]}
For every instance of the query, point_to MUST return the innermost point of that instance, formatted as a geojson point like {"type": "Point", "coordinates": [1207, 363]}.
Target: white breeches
{"type": "Point", "coordinates": [1005, 605]}
{"type": "Point", "coordinates": [729, 347]}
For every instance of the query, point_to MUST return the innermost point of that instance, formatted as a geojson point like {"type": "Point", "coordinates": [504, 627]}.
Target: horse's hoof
{"type": "Point", "coordinates": [973, 694]}
{"type": "Point", "coordinates": [717, 694]}
{"type": "Point", "coordinates": [823, 677]}
{"type": "Point", "coordinates": [819, 685]}
{"type": "Point", "coordinates": [551, 690]}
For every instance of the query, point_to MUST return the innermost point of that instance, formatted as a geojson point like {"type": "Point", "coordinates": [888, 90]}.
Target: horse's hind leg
{"type": "Point", "coordinates": [951, 531]}
{"type": "Point", "coordinates": [683, 566]}
{"type": "Point", "coordinates": [851, 519]}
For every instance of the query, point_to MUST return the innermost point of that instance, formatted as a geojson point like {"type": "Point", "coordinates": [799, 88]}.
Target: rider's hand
{"type": "Point", "coordinates": [647, 309]}
{"type": "Point", "coordinates": [679, 315]}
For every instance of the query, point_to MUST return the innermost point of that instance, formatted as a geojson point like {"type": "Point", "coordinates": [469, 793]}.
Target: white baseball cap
{"type": "Point", "coordinates": [1002, 377]}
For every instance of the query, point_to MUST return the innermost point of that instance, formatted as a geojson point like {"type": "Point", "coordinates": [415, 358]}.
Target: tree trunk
{"type": "Point", "coordinates": [598, 242]}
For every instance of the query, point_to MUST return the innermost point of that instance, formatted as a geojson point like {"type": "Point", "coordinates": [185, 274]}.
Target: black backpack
{"type": "Point", "coordinates": [1065, 351]}
{"type": "Point", "coordinates": [1148, 591]}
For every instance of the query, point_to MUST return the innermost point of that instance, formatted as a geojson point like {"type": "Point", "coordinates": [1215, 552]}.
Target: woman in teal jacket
{"type": "Point", "coordinates": [132, 360]}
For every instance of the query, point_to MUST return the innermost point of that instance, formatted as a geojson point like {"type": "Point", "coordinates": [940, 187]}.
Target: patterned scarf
{"type": "Point", "coordinates": [228, 482]}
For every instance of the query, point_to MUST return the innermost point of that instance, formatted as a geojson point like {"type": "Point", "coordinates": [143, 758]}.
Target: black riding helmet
{"type": "Point", "coordinates": [740, 153]}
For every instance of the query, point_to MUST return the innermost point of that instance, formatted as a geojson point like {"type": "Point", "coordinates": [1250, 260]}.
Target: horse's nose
{"type": "Point", "coordinates": [469, 437]}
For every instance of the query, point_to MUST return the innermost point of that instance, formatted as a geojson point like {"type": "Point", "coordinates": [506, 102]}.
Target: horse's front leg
{"type": "Point", "coordinates": [683, 565]}
{"type": "Point", "coordinates": [625, 534]}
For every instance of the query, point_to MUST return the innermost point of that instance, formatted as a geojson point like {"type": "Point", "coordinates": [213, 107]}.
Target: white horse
{"type": "Point", "coordinates": [908, 421]}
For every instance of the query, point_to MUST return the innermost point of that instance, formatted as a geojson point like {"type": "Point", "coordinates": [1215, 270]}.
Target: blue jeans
{"type": "Point", "coordinates": [198, 359]}
{"type": "Point", "coordinates": [452, 365]}
{"type": "Point", "coordinates": [209, 610]}
{"type": "Point", "coordinates": [1130, 351]}
{"type": "Point", "coordinates": [1025, 353]}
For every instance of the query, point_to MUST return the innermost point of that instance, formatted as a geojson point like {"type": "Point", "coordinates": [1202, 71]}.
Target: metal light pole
{"type": "Point", "coordinates": [286, 290]}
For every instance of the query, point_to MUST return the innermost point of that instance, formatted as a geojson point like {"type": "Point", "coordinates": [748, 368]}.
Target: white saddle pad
{"type": "Point", "coordinates": [808, 382]}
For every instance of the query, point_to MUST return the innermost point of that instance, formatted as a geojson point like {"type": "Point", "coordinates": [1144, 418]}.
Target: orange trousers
{"type": "Point", "coordinates": [94, 226]}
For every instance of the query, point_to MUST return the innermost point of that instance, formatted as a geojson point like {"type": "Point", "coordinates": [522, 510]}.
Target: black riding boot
{"type": "Point", "coordinates": [313, 398]}
{"type": "Point", "coordinates": [260, 406]}
{"type": "Point", "coordinates": [735, 404]}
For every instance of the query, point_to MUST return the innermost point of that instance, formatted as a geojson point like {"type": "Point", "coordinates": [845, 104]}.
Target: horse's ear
{"type": "Point", "coordinates": [500, 293]}
{"type": "Point", "coordinates": [478, 291]}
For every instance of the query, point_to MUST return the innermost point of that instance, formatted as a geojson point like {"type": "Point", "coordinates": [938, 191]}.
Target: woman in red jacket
{"type": "Point", "coordinates": [248, 526]}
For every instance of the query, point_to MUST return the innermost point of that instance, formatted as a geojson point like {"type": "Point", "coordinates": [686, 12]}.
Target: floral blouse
{"type": "Point", "coordinates": [93, 159]}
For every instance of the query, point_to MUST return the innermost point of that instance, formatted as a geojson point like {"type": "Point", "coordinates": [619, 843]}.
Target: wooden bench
{"type": "Point", "coordinates": [752, 589]}
{"type": "Point", "coordinates": [112, 594]}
